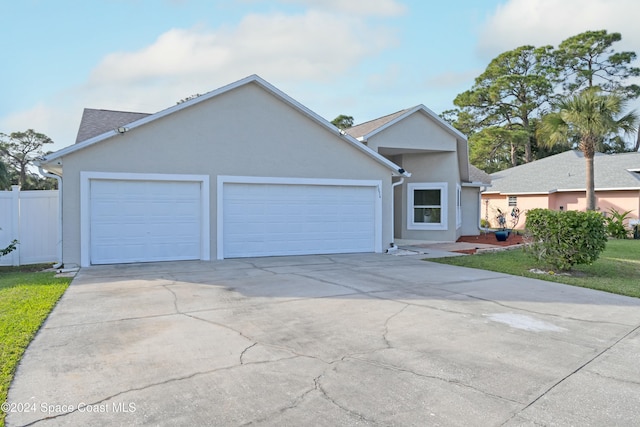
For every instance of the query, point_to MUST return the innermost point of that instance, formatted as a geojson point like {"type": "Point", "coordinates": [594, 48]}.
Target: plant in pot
{"type": "Point", "coordinates": [501, 217]}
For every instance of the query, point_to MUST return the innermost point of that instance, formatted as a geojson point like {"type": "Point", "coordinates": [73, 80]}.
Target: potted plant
{"type": "Point", "coordinates": [503, 233]}
{"type": "Point", "coordinates": [501, 217]}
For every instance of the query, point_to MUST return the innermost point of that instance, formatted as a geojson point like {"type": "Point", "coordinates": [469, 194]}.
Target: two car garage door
{"type": "Point", "coordinates": [162, 220]}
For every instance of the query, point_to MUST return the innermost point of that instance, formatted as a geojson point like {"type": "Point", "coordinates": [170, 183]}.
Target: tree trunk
{"type": "Point", "coordinates": [637, 146]}
{"type": "Point", "coordinates": [528, 155]}
{"type": "Point", "coordinates": [591, 193]}
{"type": "Point", "coordinates": [514, 157]}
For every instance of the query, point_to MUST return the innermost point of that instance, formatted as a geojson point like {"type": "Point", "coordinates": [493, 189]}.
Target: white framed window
{"type": "Point", "coordinates": [458, 206]}
{"type": "Point", "coordinates": [427, 206]}
{"type": "Point", "coordinates": [513, 200]}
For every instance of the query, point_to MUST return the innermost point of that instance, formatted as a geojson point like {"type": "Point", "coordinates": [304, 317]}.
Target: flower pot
{"type": "Point", "coordinates": [501, 236]}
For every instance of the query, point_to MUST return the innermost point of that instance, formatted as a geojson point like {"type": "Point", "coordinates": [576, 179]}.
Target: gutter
{"type": "Point", "coordinates": [59, 179]}
{"type": "Point", "coordinates": [393, 246]}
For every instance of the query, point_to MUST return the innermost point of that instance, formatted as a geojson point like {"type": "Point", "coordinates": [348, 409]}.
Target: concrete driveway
{"type": "Point", "coordinates": [366, 339]}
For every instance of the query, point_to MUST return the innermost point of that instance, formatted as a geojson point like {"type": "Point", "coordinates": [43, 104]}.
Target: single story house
{"type": "Point", "coordinates": [558, 182]}
{"type": "Point", "coordinates": [247, 171]}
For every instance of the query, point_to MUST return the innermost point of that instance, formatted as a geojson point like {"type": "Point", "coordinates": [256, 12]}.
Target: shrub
{"type": "Point", "coordinates": [615, 224]}
{"type": "Point", "coordinates": [563, 239]}
{"type": "Point", "coordinates": [484, 223]}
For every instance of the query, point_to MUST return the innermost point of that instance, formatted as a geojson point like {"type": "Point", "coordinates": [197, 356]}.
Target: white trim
{"type": "Point", "coordinates": [395, 169]}
{"type": "Point", "coordinates": [442, 123]}
{"type": "Point", "coordinates": [85, 214]}
{"type": "Point", "coordinates": [475, 184]}
{"type": "Point", "coordinates": [444, 210]}
{"type": "Point", "coordinates": [227, 179]}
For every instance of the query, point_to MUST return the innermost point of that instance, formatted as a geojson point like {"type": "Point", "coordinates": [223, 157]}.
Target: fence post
{"type": "Point", "coordinates": [15, 222]}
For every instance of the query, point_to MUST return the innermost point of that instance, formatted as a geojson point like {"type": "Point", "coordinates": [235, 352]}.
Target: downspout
{"type": "Point", "coordinates": [59, 244]}
{"type": "Point", "coordinates": [393, 210]}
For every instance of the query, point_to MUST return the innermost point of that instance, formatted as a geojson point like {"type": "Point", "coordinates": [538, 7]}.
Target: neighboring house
{"type": "Point", "coordinates": [558, 182]}
{"type": "Point", "coordinates": [246, 171]}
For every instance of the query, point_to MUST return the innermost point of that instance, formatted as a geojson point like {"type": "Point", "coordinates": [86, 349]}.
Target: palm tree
{"type": "Point", "coordinates": [589, 117]}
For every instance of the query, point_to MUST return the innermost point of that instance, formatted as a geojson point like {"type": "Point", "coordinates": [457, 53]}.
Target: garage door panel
{"type": "Point", "coordinates": [282, 219]}
{"type": "Point", "coordinates": [140, 221]}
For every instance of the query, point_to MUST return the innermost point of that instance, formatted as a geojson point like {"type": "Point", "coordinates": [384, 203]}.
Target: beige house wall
{"type": "Point", "coordinates": [470, 211]}
{"type": "Point", "coordinates": [429, 152]}
{"type": "Point", "coordinates": [431, 168]}
{"type": "Point", "coordinates": [244, 132]}
{"type": "Point", "coordinates": [414, 132]}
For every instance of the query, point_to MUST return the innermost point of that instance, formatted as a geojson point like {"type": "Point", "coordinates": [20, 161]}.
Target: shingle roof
{"type": "Point", "coordinates": [367, 127]}
{"type": "Point", "coordinates": [96, 122]}
{"type": "Point", "coordinates": [566, 171]}
{"type": "Point", "coordinates": [478, 175]}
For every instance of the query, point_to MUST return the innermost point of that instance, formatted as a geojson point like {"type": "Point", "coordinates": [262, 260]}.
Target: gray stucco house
{"type": "Point", "coordinates": [246, 171]}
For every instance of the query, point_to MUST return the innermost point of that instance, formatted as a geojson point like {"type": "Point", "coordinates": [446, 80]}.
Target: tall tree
{"type": "Point", "coordinates": [342, 121]}
{"type": "Point", "coordinates": [588, 60]}
{"type": "Point", "coordinates": [5, 178]}
{"type": "Point", "coordinates": [513, 89]}
{"type": "Point", "coordinates": [21, 148]}
{"type": "Point", "coordinates": [589, 116]}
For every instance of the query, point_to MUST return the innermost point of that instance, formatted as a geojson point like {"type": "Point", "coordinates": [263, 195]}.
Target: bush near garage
{"type": "Point", "coordinates": [563, 239]}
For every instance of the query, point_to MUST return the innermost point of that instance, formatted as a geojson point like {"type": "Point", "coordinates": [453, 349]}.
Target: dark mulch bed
{"type": "Point", "coordinates": [489, 239]}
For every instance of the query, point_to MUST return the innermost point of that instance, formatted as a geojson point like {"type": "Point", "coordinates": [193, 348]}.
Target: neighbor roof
{"type": "Point", "coordinates": [253, 79]}
{"type": "Point", "coordinates": [96, 122]}
{"type": "Point", "coordinates": [566, 172]}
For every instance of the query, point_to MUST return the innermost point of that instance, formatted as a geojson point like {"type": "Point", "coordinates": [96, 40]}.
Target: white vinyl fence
{"type": "Point", "coordinates": [31, 217]}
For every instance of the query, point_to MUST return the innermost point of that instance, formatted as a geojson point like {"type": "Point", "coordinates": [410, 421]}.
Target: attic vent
{"type": "Point", "coordinates": [513, 201]}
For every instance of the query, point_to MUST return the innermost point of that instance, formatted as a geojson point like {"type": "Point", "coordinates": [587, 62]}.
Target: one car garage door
{"type": "Point", "coordinates": [141, 221]}
{"type": "Point", "coordinates": [284, 219]}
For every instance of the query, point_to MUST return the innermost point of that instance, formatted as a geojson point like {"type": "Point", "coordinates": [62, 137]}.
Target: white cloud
{"type": "Point", "coordinates": [312, 47]}
{"type": "Point", "coordinates": [60, 124]}
{"type": "Point", "coordinates": [539, 22]}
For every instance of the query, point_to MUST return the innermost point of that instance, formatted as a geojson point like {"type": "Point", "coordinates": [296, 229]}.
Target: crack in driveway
{"type": "Point", "coordinates": [571, 374]}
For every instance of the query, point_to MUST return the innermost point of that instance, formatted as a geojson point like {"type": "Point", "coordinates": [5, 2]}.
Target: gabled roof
{"type": "Point", "coordinates": [253, 79]}
{"type": "Point", "coordinates": [96, 122]}
{"type": "Point", "coordinates": [364, 131]}
{"type": "Point", "coordinates": [566, 172]}
{"type": "Point", "coordinates": [479, 176]}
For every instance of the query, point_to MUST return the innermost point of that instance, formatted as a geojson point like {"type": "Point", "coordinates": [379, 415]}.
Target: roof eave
{"type": "Point", "coordinates": [395, 169]}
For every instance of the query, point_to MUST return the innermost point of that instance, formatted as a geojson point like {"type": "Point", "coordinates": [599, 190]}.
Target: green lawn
{"type": "Point", "coordinates": [26, 298]}
{"type": "Point", "coordinates": [616, 271]}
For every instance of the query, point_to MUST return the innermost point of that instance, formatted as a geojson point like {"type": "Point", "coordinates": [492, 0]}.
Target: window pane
{"type": "Point", "coordinates": [426, 215]}
{"type": "Point", "coordinates": [426, 197]}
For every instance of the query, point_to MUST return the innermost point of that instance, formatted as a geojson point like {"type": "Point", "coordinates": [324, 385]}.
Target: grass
{"type": "Point", "coordinates": [616, 271]}
{"type": "Point", "coordinates": [27, 295]}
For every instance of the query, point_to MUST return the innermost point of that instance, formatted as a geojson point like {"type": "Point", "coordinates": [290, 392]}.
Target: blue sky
{"type": "Point", "coordinates": [364, 58]}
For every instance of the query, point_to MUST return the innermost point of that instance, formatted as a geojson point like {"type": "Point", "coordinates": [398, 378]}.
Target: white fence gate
{"type": "Point", "coordinates": [31, 217]}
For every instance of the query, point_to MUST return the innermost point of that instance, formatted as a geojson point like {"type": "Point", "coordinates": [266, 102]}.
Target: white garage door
{"type": "Point", "coordinates": [283, 219]}
{"type": "Point", "coordinates": [141, 221]}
